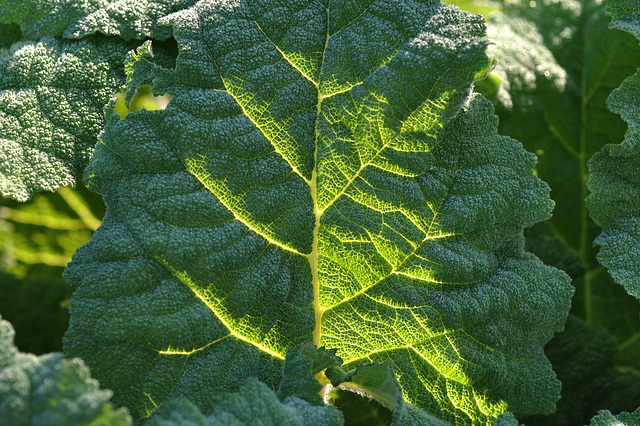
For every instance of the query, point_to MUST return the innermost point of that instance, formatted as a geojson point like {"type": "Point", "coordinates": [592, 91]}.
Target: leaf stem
{"type": "Point", "coordinates": [80, 207]}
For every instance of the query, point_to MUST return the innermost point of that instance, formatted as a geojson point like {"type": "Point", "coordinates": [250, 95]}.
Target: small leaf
{"type": "Point", "coordinates": [378, 381]}
{"type": "Point", "coordinates": [52, 95]}
{"type": "Point", "coordinates": [50, 390]}
{"type": "Point", "coordinates": [605, 418]}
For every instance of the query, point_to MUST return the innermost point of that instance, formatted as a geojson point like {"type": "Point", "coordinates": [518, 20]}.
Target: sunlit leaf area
{"type": "Point", "coordinates": [320, 212]}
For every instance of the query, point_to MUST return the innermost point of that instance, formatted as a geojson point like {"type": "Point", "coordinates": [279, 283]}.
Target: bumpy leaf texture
{"type": "Point", "coordinates": [50, 390]}
{"type": "Point", "coordinates": [614, 203]}
{"type": "Point", "coordinates": [320, 173]}
{"type": "Point", "coordinates": [605, 418]}
{"type": "Point", "coordinates": [558, 62]}
{"type": "Point", "coordinates": [80, 18]}
{"type": "Point", "coordinates": [379, 381]}
{"type": "Point", "coordinates": [52, 95]}
{"type": "Point", "coordinates": [297, 402]}
{"type": "Point", "coordinates": [583, 358]}
{"type": "Point", "coordinates": [254, 403]}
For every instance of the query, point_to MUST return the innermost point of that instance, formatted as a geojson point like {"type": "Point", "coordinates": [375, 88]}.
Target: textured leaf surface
{"type": "Point", "coordinates": [297, 402]}
{"type": "Point", "coordinates": [606, 418]}
{"type": "Point", "coordinates": [52, 95]}
{"type": "Point", "coordinates": [320, 172]}
{"type": "Point", "coordinates": [254, 403]}
{"type": "Point", "coordinates": [79, 18]}
{"type": "Point", "coordinates": [583, 358]}
{"type": "Point", "coordinates": [378, 381]}
{"type": "Point", "coordinates": [558, 62]}
{"type": "Point", "coordinates": [614, 203]}
{"type": "Point", "coordinates": [626, 15]}
{"type": "Point", "coordinates": [50, 390]}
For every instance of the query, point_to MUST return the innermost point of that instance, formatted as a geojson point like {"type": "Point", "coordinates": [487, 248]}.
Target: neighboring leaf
{"type": "Point", "coordinates": [81, 18]}
{"type": "Point", "coordinates": [551, 249]}
{"type": "Point", "coordinates": [582, 356]}
{"type": "Point", "coordinates": [300, 367]}
{"type": "Point", "coordinates": [318, 174]}
{"type": "Point", "coordinates": [626, 15]}
{"type": "Point", "coordinates": [378, 381]}
{"type": "Point", "coordinates": [507, 419]}
{"type": "Point", "coordinates": [557, 62]}
{"type": "Point", "coordinates": [52, 95]}
{"type": "Point", "coordinates": [614, 203]}
{"type": "Point", "coordinates": [605, 418]}
{"type": "Point", "coordinates": [254, 403]}
{"type": "Point", "coordinates": [50, 390]}
{"type": "Point", "coordinates": [140, 65]}
{"type": "Point", "coordinates": [297, 401]}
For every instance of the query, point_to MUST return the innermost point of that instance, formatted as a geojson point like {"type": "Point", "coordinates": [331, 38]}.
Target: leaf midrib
{"type": "Point", "coordinates": [313, 186]}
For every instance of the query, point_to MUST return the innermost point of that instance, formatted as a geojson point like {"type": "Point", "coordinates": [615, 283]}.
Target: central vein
{"type": "Point", "coordinates": [313, 257]}
{"type": "Point", "coordinates": [313, 262]}
{"type": "Point", "coordinates": [313, 185]}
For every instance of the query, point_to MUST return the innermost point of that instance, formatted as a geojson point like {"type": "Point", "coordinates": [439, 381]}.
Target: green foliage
{"type": "Point", "coordinates": [39, 237]}
{"type": "Point", "coordinates": [52, 94]}
{"type": "Point", "coordinates": [50, 390]}
{"type": "Point", "coordinates": [297, 402]}
{"type": "Point", "coordinates": [78, 18]}
{"type": "Point", "coordinates": [614, 203]}
{"type": "Point", "coordinates": [605, 418]}
{"type": "Point", "coordinates": [37, 241]}
{"type": "Point", "coordinates": [320, 173]}
{"type": "Point", "coordinates": [37, 309]}
{"type": "Point", "coordinates": [583, 357]}
{"type": "Point", "coordinates": [296, 192]}
{"type": "Point", "coordinates": [557, 64]}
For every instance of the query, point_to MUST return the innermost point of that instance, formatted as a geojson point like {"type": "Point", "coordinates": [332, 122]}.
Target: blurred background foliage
{"type": "Point", "coordinates": [37, 240]}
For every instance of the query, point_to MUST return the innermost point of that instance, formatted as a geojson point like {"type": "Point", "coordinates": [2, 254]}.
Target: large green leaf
{"type": "Point", "coordinates": [52, 95]}
{"type": "Point", "coordinates": [614, 202]}
{"type": "Point", "coordinates": [558, 62]}
{"type": "Point", "coordinates": [321, 172]}
{"type": "Point", "coordinates": [79, 18]}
